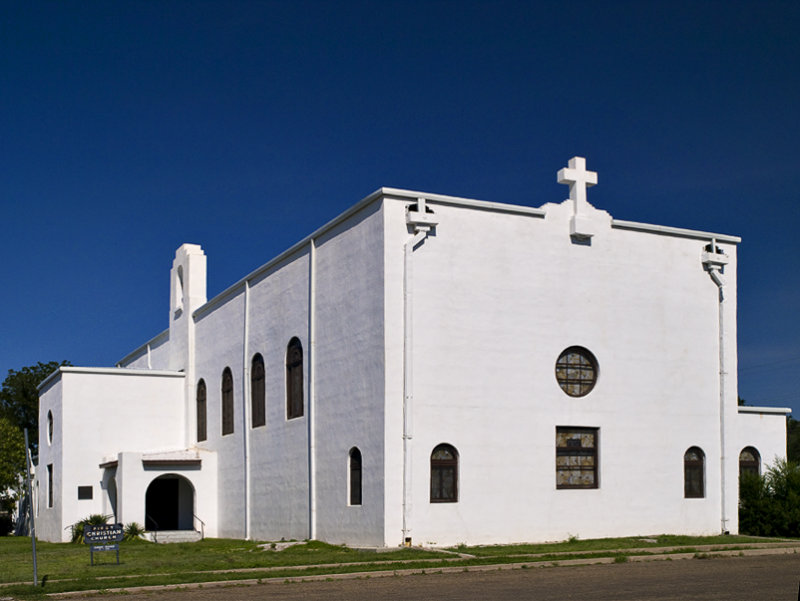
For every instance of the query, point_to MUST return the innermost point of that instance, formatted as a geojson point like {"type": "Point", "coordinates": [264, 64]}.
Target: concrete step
{"type": "Point", "coordinates": [174, 536]}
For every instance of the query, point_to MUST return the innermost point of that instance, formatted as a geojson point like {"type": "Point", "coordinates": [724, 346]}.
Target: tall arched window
{"type": "Point", "coordinates": [294, 379]}
{"type": "Point", "coordinates": [749, 461]}
{"type": "Point", "coordinates": [355, 476]}
{"type": "Point", "coordinates": [444, 474]}
{"type": "Point", "coordinates": [201, 411]}
{"type": "Point", "coordinates": [694, 461]}
{"type": "Point", "coordinates": [257, 391]}
{"type": "Point", "coordinates": [227, 401]}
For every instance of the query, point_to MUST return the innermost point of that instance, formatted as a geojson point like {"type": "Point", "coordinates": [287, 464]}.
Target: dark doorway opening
{"type": "Point", "coordinates": [169, 504]}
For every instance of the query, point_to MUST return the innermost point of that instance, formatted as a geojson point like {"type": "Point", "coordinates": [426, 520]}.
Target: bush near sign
{"type": "Point", "coordinates": [103, 537]}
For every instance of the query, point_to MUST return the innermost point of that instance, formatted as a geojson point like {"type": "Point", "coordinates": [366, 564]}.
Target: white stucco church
{"type": "Point", "coordinates": [430, 370]}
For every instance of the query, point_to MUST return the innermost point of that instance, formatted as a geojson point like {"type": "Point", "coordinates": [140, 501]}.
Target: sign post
{"type": "Point", "coordinates": [104, 537]}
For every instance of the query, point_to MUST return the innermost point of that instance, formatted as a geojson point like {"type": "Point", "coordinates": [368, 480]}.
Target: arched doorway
{"type": "Point", "coordinates": [169, 504]}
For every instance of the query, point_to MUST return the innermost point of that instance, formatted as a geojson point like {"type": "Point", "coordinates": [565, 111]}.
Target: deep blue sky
{"type": "Point", "coordinates": [128, 128]}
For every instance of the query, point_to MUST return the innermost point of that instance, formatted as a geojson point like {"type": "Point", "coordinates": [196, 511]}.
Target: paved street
{"type": "Point", "coordinates": [763, 578]}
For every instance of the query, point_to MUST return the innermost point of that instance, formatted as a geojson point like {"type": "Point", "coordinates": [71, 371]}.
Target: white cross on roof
{"type": "Point", "coordinates": [578, 179]}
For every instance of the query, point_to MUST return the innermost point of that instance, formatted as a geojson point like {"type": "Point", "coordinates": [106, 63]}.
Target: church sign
{"type": "Point", "coordinates": [103, 537]}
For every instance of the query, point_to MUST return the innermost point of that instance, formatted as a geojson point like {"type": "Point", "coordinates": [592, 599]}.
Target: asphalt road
{"type": "Point", "coordinates": [762, 578]}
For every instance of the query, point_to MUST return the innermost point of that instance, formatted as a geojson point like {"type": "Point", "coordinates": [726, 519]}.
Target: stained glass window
{"type": "Point", "coordinates": [257, 392]}
{"type": "Point", "coordinates": [201, 411]}
{"type": "Point", "coordinates": [576, 457]}
{"type": "Point", "coordinates": [355, 476]}
{"type": "Point", "coordinates": [444, 474]}
{"type": "Point", "coordinates": [694, 473]}
{"type": "Point", "coordinates": [749, 462]}
{"type": "Point", "coordinates": [294, 379]}
{"type": "Point", "coordinates": [227, 401]}
{"type": "Point", "coordinates": [576, 371]}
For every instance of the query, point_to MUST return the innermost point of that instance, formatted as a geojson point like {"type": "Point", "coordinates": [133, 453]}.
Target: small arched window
{"type": "Point", "coordinates": [749, 461]}
{"type": "Point", "coordinates": [49, 427]}
{"type": "Point", "coordinates": [355, 476]}
{"type": "Point", "coordinates": [444, 474]}
{"type": "Point", "coordinates": [257, 392]}
{"type": "Point", "coordinates": [294, 379]}
{"type": "Point", "coordinates": [227, 401]}
{"type": "Point", "coordinates": [694, 461]}
{"type": "Point", "coordinates": [201, 411]}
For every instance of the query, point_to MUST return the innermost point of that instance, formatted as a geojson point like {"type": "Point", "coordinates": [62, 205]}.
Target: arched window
{"type": "Point", "coordinates": [694, 461]}
{"type": "Point", "coordinates": [227, 401]}
{"type": "Point", "coordinates": [201, 411]}
{"type": "Point", "coordinates": [294, 379]}
{"type": "Point", "coordinates": [749, 461]}
{"type": "Point", "coordinates": [257, 391]}
{"type": "Point", "coordinates": [444, 474]}
{"type": "Point", "coordinates": [49, 427]}
{"type": "Point", "coordinates": [355, 476]}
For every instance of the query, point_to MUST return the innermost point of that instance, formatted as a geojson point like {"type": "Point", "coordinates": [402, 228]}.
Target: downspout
{"type": "Point", "coordinates": [422, 222]}
{"type": "Point", "coordinates": [312, 347]}
{"type": "Point", "coordinates": [247, 400]}
{"type": "Point", "coordinates": [714, 262]}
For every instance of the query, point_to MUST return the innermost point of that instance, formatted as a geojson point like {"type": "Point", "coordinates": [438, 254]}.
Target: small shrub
{"type": "Point", "coordinates": [133, 531]}
{"type": "Point", "coordinates": [95, 519]}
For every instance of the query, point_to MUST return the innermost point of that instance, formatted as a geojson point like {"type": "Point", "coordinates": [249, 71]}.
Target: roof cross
{"type": "Point", "coordinates": [578, 178]}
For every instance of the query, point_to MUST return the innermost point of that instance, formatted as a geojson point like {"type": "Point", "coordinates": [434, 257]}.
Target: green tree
{"type": "Point", "coordinates": [19, 397]}
{"type": "Point", "coordinates": [793, 440]}
{"type": "Point", "coordinates": [769, 505]}
{"type": "Point", "coordinates": [12, 464]}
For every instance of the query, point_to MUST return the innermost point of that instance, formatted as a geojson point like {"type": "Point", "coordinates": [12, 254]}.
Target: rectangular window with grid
{"type": "Point", "coordinates": [576, 457]}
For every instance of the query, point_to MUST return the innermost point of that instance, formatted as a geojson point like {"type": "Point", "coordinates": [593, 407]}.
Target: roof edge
{"type": "Point", "coordinates": [143, 347]}
{"type": "Point", "coordinates": [673, 231]}
{"type": "Point", "coordinates": [115, 371]}
{"type": "Point", "coordinates": [765, 410]}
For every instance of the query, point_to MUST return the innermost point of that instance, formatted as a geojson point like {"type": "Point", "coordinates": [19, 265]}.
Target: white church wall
{"type": "Point", "coordinates": [395, 236]}
{"type": "Point", "coordinates": [349, 377]}
{"type": "Point", "coordinates": [497, 293]}
{"type": "Point", "coordinates": [134, 478]}
{"type": "Point", "coordinates": [48, 519]}
{"type": "Point", "coordinates": [103, 411]}
{"type": "Point", "coordinates": [219, 346]}
{"type": "Point", "coordinates": [279, 505]}
{"type": "Point", "coordinates": [763, 428]}
{"type": "Point", "coordinates": [490, 320]}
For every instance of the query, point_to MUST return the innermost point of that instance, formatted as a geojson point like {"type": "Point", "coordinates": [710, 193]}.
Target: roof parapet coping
{"type": "Point", "coordinates": [765, 410]}
{"type": "Point", "coordinates": [413, 196]}
{"type": "Point", "coordinates": [113, 371]}
{"type": "Point", "coordinates": [673, 231]}
{"type": "Point", "coordinates": [143, 348]}
{"type": "Point", "coordinates": [390, 193]}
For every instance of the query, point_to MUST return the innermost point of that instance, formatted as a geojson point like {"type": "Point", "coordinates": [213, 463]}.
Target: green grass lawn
{"type": "Point", "coordinates": [577, 545]}
{"type": "Point", "coordinates": [65, 566]}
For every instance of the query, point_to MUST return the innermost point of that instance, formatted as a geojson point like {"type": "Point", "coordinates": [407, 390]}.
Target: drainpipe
{"type": "Point", "coordinates": [421, 222]}
{"type": "Point", "coordinates": [312, 396]}
{"type": "Point", "coordinates": [714, 262]}
{"type": "Point", "coordinates": [246, 401]}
